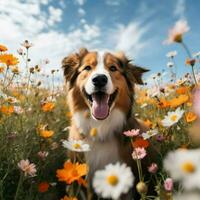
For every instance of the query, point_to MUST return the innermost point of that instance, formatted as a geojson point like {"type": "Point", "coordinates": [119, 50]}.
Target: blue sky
{"type": "Point", "coordinates": [138, 27]}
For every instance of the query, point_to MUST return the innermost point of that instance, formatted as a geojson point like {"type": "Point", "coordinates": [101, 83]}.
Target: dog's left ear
{"type": "Point", "coordinates": [132, 72]}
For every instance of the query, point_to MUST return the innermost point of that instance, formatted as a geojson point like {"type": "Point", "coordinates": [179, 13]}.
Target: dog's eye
{"type": "Point", "coordinates": [113, 68]}
{"type": "Point", "coordinates": [88, 68]}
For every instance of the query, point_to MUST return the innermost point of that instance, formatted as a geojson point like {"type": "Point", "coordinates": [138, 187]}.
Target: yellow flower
{"type": "Point", "coordinates": [93, 132]}
{"type": "Point", "coordinates": [182, 90]}
{"type": "Point", "coordinates": [3, 48]}
{"type": "Point", "coordinates": [8, 59]}
{"type": "Point", "coordinates": [68, 115]}
{"type": "Point", "coordinates": [7, 109]}
{"type": "Point", "coordinates": [175, 102]}
{"type": "Point", "coordinates": [148, 123]}
{"type": "Point", "coordinates": [190, 117]}
{"type": "Point", "coordinates": [15, 70]}
{"type": "Point", "coordinates": [46, 133]}
{"type": "Point", "coordinates": [48, 106]}
{"type": "Point", "coordinates": [163, 103]}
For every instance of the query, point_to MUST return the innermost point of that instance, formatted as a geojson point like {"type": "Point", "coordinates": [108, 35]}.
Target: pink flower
{"type": "Point", "coordinates": [175, 34]}
{"type": "Point", "coordinates": [132, 133]}
{"type": "Point", "coordinates": [20, 51]}
{"type": "Point", "coordinates": [139, 153]}
{"type": "Point", "coordinates": [168, 184]}
{"type": "Point", "coordinates": [153, 168]}
{"type": "Point", "coordinates": [196, 101]}
{"type": "Point", "coordinates": [43, 154]}
{"type": "Point", "coordinates": [27, 167]}
{"type": "Point", "coordinates": [18, 110]}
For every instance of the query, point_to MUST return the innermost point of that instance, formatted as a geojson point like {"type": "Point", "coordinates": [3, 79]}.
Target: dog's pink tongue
{"type": "Point", "coordinates": [100, 107]}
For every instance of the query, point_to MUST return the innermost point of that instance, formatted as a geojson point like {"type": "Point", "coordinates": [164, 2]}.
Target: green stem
{"type": "Point", "coordinates": [26, 60]}
{"type": "Point", "coordinates": [5, 77]}
{"type": "Point", "coordinates": [19, 185]}
{"type": "Point", "coordinates": [28, 83]}
{"type": "Point", "coordinates": [10, 81]}
{"type": "Point", "coordinates": [139, 170]}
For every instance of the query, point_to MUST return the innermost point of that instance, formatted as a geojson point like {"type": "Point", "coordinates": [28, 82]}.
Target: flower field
{"type": "Point", "coordinates": [34, 125]}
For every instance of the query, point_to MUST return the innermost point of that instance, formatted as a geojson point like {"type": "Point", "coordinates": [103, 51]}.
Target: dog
{"type": "Point", "coordinates": [100, 94]}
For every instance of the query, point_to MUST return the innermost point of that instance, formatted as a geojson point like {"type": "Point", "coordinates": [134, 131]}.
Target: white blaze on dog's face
{"type": "Point", "coordinates": [99, 88]}
{"type": "Point", "coordinates": [101, 81]}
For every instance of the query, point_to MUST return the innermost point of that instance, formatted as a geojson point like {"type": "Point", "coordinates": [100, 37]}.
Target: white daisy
{"type": "Point", "coordinates": [187, 196]}
{"type": "Point", "coordinates": [183, 166]}
{"type": "Point", "coordinates": [196, 55]}
{"type": "Point", "coordinates": [172, 117]}
{"type": "Point", "coordinates": [143, 105]}
{"type": "Point", "coordinates": [113, 181]}
{"type": "Point", "coordinates": [76, 145]}
{"type": "Point", "coordinates": [149, 134]}
{"type": "Point", "coordinates": [170, 64]}
{"type": "Point", "coordinates": [171, 54]}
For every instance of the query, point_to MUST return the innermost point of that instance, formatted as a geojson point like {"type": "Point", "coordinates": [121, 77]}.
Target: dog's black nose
{"type": "Point", "coordinates": [100, 80]}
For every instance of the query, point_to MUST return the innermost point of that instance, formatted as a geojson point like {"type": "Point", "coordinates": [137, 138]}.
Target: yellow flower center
{"type": "Point", "coordinates": [112, 180]}
{"type": "Point", "coordinates": [77, 146]}
{"type": "Point", "coordinates": [173, 118]}
{"type": "Point", "coordinates": [178, 38]}
{"type": "Point", "coordinates": [93, 132]}
{"type": "Point", "coordinates": [149, 133]}
{"type": "Point", "coordinates": [188, 167]}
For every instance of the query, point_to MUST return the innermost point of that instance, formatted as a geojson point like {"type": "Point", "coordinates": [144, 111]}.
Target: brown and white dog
{"type": "Point", "coordinates": [101, 95]}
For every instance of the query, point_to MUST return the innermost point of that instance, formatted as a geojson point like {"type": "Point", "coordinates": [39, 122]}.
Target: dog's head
{"type": "Point", "coordinates": [101, 81]}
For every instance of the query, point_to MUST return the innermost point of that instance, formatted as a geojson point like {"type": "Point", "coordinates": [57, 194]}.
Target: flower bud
{"type": "Point", "coordinates": [141, 187]}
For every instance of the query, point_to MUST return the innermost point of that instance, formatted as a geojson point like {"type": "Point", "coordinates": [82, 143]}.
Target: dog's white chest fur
{"type": "Point", "coordinates": [104, 146]}
{"type": "Point", "coordinates": [105, 128]}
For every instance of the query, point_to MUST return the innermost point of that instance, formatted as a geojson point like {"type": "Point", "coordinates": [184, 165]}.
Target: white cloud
{"type": "Point", "coordinates": [130, 38]}
{"type": "Point", "coordinates": [81, 12]}
{"type": "Point", "coordinates": [20, 20]}
{"type": "Point", "coordinates": [80, 2]}
{"type": "Point", "coordinates": [180, 8]}
{"type": "Point", "coordinates": [55, 15]}
{"type": "Point", "coordinates": [114, 2]}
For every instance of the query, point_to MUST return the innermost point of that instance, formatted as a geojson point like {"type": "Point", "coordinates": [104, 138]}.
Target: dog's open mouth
{"type": "Point", "coordinates": [101, 103]}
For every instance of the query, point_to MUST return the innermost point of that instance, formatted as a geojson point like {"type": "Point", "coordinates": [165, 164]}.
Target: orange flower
{"type": "Point", "coordinates": [7, 109]}
{"type": "Point", "coordinates": [15, 70]}
{"type": "Point", "coordinates": [163, 103]}
{"type": "Point", "coordinates": [140, 142]}
{"type": "Point", "coordinates": [8, 59]}
{"type": "Point", "coordinates": [68, 115]}
{"type": "Point", "coordinates": [68, 198]}
{"type": "Point", "coordinates": [43, 187]}
{"type": "Point", "coordinates": [72, 172]}
{"type": "Point", "coordinates": [148, 123]}
{"type": "Point", "coordinates": [190, 61]}
{"type": "Point", "coordinates": [175, 102]}
{"type": "Point", "coordinates": [48, 106]}
{"type": "Point", "coordinates": [182, 90]}
{"type": "Point", "coordinates": [46, 133]}
{"type": "Point", "coordinates": [3, 48]}
{"type": "Point", "coordinates": [2, 69]}
{"type": "Point", "coordinates": [190, 117]}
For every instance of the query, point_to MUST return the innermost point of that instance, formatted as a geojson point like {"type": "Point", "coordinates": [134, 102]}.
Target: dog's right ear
{"type": "Point", "coordinates": [71, 63]}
